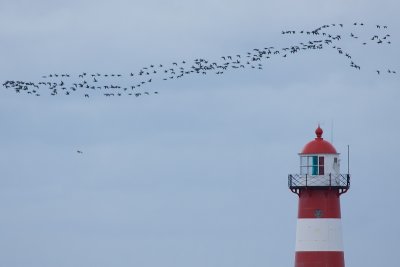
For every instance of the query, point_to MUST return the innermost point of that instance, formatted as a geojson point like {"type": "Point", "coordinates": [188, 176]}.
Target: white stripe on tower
{"type": "Point", "coordinates": [319, 235]}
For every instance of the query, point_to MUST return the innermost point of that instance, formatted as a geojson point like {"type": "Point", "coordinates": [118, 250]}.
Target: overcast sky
{"type": "Point", "coordinates": [196, 175]}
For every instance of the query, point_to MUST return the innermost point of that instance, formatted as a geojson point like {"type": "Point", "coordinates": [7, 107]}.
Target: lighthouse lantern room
{"type": "Point", "coordinates": [319, 186]}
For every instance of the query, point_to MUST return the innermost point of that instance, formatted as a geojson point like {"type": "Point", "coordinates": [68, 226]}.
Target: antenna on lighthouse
{"type": "Point", "coordinates": [332, 131]}
{"type": "Point", "coordinates": [348, 159]}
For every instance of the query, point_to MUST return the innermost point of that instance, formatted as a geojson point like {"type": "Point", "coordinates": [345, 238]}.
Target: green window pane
{"type": "Point", "coordinates": [314, 170]}
{"type": "Point", "coordinates": [314, 160]}
{"type": "Point", "coordinates": [315, 165]}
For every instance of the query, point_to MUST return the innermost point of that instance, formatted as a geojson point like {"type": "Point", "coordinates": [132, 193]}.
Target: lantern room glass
{"type": "Point", "coordinates": [312, 165]}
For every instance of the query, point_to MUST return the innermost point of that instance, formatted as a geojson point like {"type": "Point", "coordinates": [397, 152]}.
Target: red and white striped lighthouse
{"type": "Point", "coordinates": [319, 186]}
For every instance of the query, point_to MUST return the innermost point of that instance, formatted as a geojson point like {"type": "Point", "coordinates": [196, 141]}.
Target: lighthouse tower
{"type": "Point", "coordinates": [319, 186]}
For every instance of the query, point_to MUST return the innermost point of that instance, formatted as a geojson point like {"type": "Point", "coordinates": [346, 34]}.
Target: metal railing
{"type": "Point", "coordinates": [300, 181]}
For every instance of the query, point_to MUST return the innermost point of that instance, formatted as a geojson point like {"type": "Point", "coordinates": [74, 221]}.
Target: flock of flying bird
{"type": "Point", "coordinates": [135, 83]}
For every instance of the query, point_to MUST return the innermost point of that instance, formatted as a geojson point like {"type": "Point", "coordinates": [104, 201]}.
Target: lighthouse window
{"type": "Point", "coordinates": [321, 170]}
{"type": "Point", "coordinates": [312, 165]}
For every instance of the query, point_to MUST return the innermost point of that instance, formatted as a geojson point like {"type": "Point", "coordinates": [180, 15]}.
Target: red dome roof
{"type": "Point", "coordinates": [319, 145]}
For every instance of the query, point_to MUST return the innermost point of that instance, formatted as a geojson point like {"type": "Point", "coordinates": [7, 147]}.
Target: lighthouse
{"type": "Point", "coordinates": [319, 186]}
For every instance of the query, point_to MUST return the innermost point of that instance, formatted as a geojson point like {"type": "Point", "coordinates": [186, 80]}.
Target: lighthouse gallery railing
{"type": "Point", "coordinates": [299, 181]}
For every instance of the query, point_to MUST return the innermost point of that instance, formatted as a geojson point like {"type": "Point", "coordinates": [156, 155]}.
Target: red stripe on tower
{"type": "Point", "coordinates": [319, 186]}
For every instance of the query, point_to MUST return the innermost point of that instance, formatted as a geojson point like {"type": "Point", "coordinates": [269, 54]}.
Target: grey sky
{"type": "Point", "coordinates": [197, 175]}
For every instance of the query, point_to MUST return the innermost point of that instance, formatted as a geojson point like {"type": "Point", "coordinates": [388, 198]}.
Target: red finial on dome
{"type": "Point", "coordinates": [318, 145]}
{"type": "Point", "coordinates": [319, 132]}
